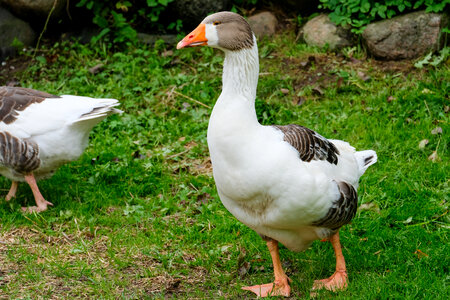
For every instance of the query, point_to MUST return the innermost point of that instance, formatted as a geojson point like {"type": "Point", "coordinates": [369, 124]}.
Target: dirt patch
{"type": "Point", "coordinates": [58, 261]}
{"type": "Point", "coordinates": [328, 70]}
{"type": "Point", "coordinates": [12, 68]}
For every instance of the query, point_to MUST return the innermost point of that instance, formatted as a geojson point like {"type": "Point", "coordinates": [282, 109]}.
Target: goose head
{"type": "Point", "coordinates": [225, 30]}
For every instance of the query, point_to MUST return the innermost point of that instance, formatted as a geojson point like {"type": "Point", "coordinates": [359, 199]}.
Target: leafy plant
{"type": "Point", "coordinates": [432, 60]}
{"type": "Point", "coordinates": [359, 13]}
{"type": "Point", "coordinates": [118, 20]}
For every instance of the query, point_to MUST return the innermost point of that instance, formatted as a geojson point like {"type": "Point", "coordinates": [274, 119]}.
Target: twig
{"type": "Point", "coordinates": [177, 154]}
{"type": "Point", "coordinates": [426, 105]}
{"type": "Point", "coordinates": [192, 99]}
{"type": "Point", "coordinates": [45, 27]}
{"type": "Point", "coordinates": [429, 221]}
{"type": "Point", "coordinates": [67, 9]}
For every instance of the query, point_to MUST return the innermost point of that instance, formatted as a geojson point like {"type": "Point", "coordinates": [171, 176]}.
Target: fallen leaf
{"type": "Point", "coordinates": [427, 91]}
{"type": "Point", "coordinates": [434, 157]}
{"type": "Point", "coordinates": [369, 206]}
{"type": "Point", "coordinates": [304, 63]}
{"type": "Point", "coordinates": [298, 100]}
{"type": "Point", "coordinates": [409, 220]}
{"type": "Point", "coordinates": [423, 143]}
{"type": "Point", "coordinates": [225, 248]}
{"type": "Point", "coordinates": [245, 267]}
{"type": "Point", "coordinates": [284, 91]}
{"type": "Point", "coordinates": [391, 98]}
{"type": "Point", "coordinates": [339, 82]}
{"type": "Point", "coordinates": [446, 109]}
{"type": "Point", "coordinates": [318, 90]}
{"type": "Point", "coordinates": [437, 130]}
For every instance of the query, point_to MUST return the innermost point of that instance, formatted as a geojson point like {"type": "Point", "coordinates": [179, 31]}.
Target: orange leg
{"type": "Point", "coordinates": [280, 287]}
{"type": "Point", "coordinates": [12, 190]}
{"type": "Point", "coordinates": [337, 281]}
{"type": "Point", "coordinates": [41, 203]}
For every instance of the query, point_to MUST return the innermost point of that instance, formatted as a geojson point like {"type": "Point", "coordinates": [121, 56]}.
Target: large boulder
{"type": "Point", "coordinates": [321, 32]}
{"type": "Point", "coordinates": [263, 24]}
{"type": "Point", "coordinates": [192, 12]}
{"type": "Point", "coordinates": [35, 9]}
{"type": "Point", "coordinates": [13, 28]}
{"type": "Point", "coordinates": [405, 37]}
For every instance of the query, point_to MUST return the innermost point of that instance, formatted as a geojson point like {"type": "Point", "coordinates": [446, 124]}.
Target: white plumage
{"type": "Point", "coordinates": [288, 183]}
{"type": "Point", "coordinates": [57, 128]}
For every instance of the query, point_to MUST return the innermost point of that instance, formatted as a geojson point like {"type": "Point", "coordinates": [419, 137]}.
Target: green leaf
{"type": "Point", "coordinates": [41, 60]}
{"type": "Point", "coordinates": [365, 6]}
{"type": "Point", "coordinates": [152, 3]}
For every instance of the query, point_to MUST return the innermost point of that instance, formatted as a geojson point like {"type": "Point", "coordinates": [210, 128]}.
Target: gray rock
{"type": "Point", "coordinates": [263, 24]}
{"type": "Point", "coordinates": [31, 9]}
{"type": "Point", "coordinates": [321, 32]}
{"type": "Point", "coordinates": [13, 28]}
{"type": "Point", "coordinates": [152, 38]}
{"type": "Point", "coordinates": [192, 12]}
{"type": "Point", "coordinates": [405, 37]}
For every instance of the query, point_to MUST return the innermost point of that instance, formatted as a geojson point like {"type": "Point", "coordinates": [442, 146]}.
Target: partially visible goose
{"type": "Point", "coordinates": [39, 132]}
{"type": "Point", "coordinates": [288, 183]}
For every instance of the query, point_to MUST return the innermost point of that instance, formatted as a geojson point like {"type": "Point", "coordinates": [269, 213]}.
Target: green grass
{"type": "Point", "coordinates": [138, 216]}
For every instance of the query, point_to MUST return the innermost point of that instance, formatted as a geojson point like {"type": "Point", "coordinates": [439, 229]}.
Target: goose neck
{"type": "Point", "coordinates": [240, 72]}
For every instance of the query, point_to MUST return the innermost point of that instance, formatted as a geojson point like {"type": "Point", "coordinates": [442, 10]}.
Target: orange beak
{"type": "Point", "coordinates": [195, 38]}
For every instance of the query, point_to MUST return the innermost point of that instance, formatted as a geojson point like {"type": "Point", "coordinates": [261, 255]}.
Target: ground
{"type": "Point", "coordinates": [138, 215]}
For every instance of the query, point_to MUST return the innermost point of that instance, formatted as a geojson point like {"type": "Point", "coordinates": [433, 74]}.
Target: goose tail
{"type": "Point", "coordinates": [365, 159]}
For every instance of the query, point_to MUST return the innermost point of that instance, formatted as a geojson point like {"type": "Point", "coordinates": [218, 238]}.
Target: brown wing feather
{"type": "Point", "coordinates": [343, 209]}
{"type": "Point", "coordinates": [309, 144]}
{"type": "Point", "coordinates": [20, 155]}
{"type": "Point", "coordinates": [13, 99]}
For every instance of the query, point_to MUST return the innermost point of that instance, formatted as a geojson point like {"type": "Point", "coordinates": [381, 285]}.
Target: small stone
{"type": "Point", "coordinates": [321, 32]}
{"type": "Point", "coordinates": [263, 24]}
{"type": "Point", "coordinates": [284, 91]}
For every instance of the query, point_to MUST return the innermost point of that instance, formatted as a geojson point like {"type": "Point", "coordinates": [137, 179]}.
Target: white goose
{"type": "Point", "coordinates": [288, 183]}
{"type": "Point", "coordinates": [39, 132]}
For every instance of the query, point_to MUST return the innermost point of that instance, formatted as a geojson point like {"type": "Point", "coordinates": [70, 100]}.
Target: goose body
{"type": "Point", "coordinates": [39, 132]}
{"type": "Point", "coordinates": [288, 183]}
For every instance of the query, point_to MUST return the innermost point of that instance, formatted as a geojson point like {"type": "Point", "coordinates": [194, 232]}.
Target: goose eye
{"type": "Point", "coordinates": [215, 23]}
